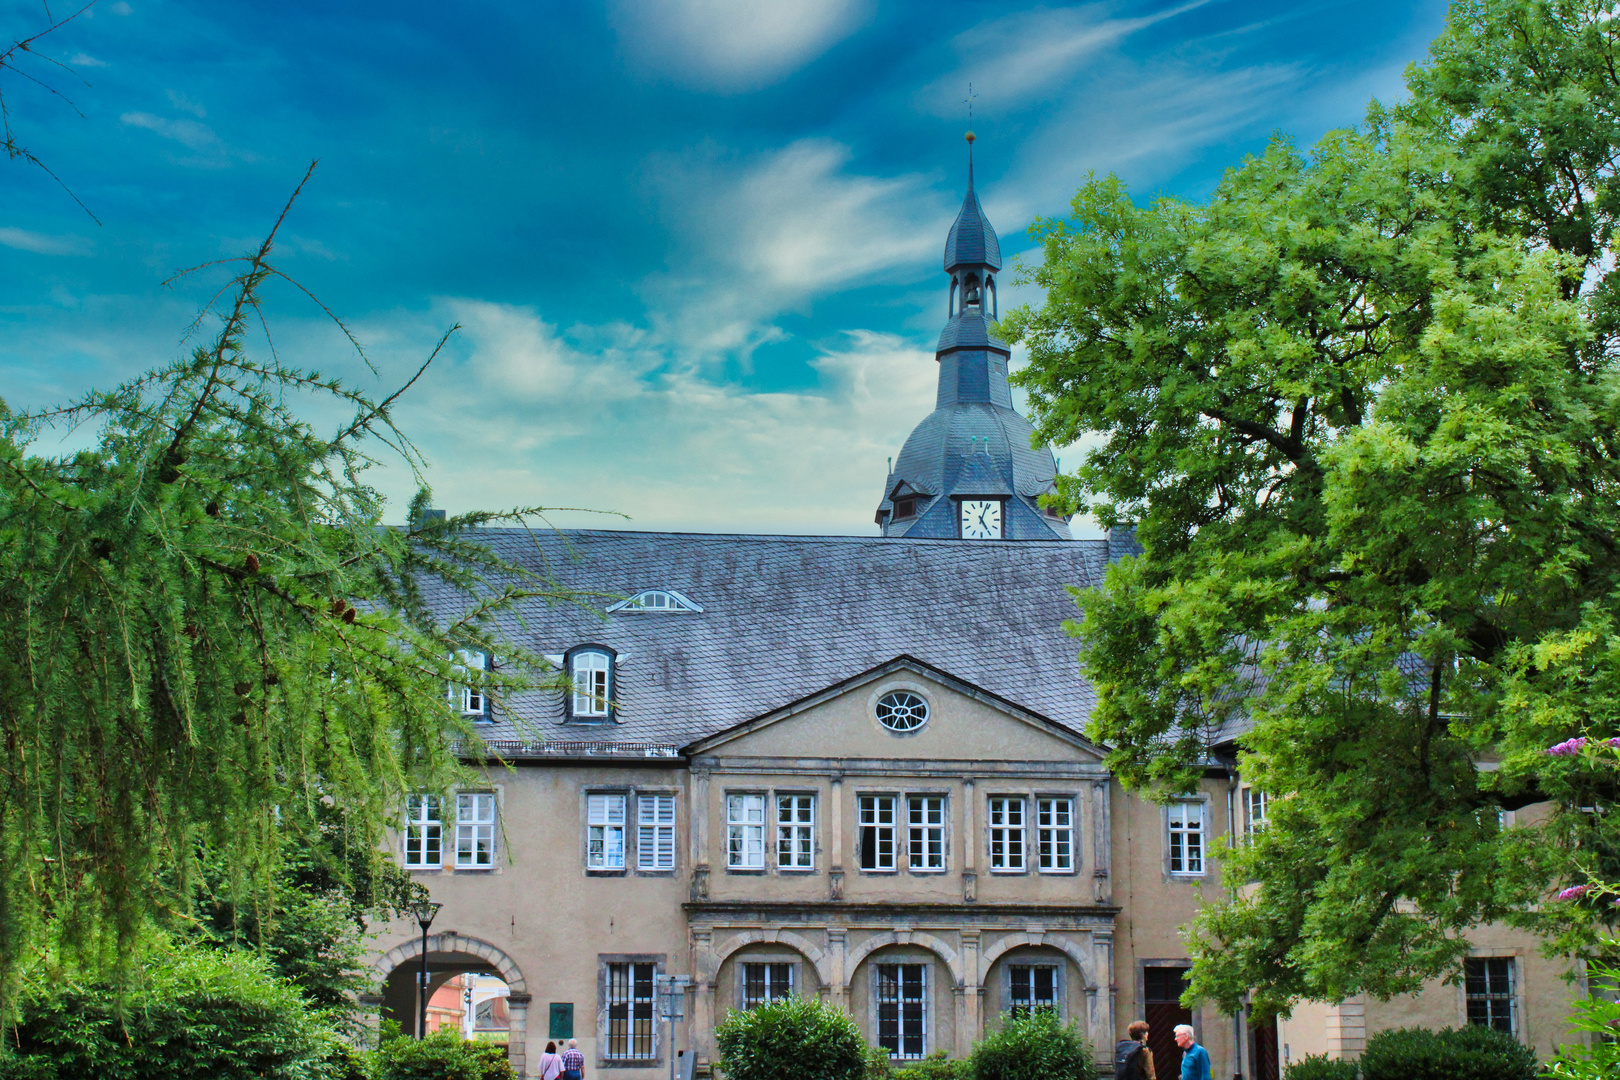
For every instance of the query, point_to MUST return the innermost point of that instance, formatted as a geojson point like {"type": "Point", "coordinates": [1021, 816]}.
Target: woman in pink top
{"type": "Point", "coordinates": [550, 1063]}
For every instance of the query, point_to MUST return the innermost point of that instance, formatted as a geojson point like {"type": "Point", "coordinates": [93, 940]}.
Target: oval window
{"type": "Point", "coordinates": [902, 710]}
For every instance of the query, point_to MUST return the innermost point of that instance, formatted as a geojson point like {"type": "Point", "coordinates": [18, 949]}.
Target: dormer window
{"type": "Point", "coordinates": [470, 699]}
{"type": "Point", "coordinates": [650, 601]}
{"type": "Point", "coordinates": [590, 670]}
{"type": "Point", "coordinates": [905, 508]}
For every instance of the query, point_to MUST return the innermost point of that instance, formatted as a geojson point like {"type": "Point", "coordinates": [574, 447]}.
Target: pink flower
{"type": "Point", "coordinates": [1567, 748]}
{"type": "Point", "coordinates": [1613, 742]}
{"type": "Point", "coordinates": [1574, 891]}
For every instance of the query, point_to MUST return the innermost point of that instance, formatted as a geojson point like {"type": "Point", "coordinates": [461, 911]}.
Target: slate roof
{"type": "Point", "coordinates": [936, 459]}
{"type": "Point", "coordinates": [970, 331]}
{"type": "Point", "coordinates": [786, 616]}
{"type": "Point", "coordinates": [971, 241]}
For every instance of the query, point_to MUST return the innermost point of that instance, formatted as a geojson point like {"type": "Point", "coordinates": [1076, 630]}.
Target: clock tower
{"type": "Point", "coordinates": [969, 471]}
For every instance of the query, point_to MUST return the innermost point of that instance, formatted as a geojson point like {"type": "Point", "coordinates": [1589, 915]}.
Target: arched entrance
{"type": "Point", "coordinates": [464, 964]}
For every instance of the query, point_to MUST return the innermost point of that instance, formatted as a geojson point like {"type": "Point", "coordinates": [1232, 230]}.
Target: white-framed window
{"type": "Point", "coordinates": [470, 699]}
{"type": "Point", "coordinates": [604, 824]}
{"type": "Point", "coordinates": [766, 981]}
{"type": "Point", "coordinates": [475, 830]}
{"type": "Point", "coordinates": [925, 833]}
{"type": "Point", "coordinates": [631, 995]}
{"type": "Point", "coordinates": [877, 828]}
{"type": "Point", "coordinates": [1031, 987]}
{"type": "Point", "coordinates": [1488, 992]}
{"type": "Point", "coordinates": [1186, 837]}
{"type": "Point", "coordinates": [902, 1009]}
{"type": "Point", "coordinates": [591, 672]}
{"type": "Point", "coordinates": [1054, 835]}
{"type": "Point", "coordinates": [745, 831]}
{"type": "Point", "coordinates": [424, 833]}
{"type": "Point", "coordinates": [1254, 810]}
{"type": "Point", "coordinates": [655, 832]}
{"type": "Point", "coordinates": [795, 832]}
{"type": "Point", "coordinates": [1006, 833]}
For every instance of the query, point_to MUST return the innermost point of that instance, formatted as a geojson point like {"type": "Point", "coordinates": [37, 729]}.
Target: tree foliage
{"type": "Point", "coordinates": [1361, 406]}
{"type": "Point", "coordinates": [211, 643]}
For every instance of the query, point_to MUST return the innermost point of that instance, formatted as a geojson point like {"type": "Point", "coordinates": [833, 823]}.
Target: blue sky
{"type": "Point", "coordinates": [693, 244]}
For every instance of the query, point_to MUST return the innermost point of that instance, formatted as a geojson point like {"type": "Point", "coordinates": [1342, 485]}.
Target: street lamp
{"type": "Point", "coordinates": [424, 910]}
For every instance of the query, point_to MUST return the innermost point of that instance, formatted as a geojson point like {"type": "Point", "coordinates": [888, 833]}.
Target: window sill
{"type": "Point", "coordinates": [746, 871]}
{"type": "Point", "coordinates": [876, 870]}
{"type": "Point", "coordinates": [797, 871]}
{"type": "Point", "coordinates": [927, 873]}
{"type": "Point", "coordinates": [1010, 872]}
{"type": "Point", "coordinates": [655, 873]}
{"type": "Point", "coordinates": [589, 872]}
{"type": "Point", "coordinates": [475, 869]}
{"type": "Point", "coordinates": [629, 1063]}
{"type": "Point", "coordinates": [1059, 873]}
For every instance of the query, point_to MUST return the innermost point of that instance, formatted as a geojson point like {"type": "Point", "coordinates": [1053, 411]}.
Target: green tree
{"type": "Point", "coordinates": [1361, 406]}
{"type": "Point", "coordinates": [206, 632]}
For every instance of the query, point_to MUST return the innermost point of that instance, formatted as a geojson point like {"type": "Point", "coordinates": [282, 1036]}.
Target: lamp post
{"type": "Point", "coordinates": [424, 910]}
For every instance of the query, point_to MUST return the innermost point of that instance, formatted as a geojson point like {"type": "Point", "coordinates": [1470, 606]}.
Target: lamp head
{"type": "Point", "coordinates": [424, 910]}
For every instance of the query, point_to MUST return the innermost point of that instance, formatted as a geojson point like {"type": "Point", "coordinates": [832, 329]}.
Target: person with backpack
{"type": "Point", "coordinates": [1132, 1058]}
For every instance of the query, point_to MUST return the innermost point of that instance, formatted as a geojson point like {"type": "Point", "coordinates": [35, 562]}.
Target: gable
{"type": "Point", "coordinates": [963, 723]}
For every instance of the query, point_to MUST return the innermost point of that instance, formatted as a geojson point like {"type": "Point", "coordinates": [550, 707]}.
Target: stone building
{"type": "Point", "coordinates": [852, 767]}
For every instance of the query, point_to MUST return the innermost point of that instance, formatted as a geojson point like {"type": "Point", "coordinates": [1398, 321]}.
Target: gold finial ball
{"type": "Point", "coordinates": [971, 136]}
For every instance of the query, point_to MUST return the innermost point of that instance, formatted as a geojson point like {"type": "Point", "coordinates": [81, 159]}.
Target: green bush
{"type": "Point", "coordinates": [935, 1066]}
{"type": "Point", "coordinates": [1320, 1067]}
{"type": "Point", "coordinates": [1466, 1053]}
{"type": "Point", "coordinates": [195, 1011]}
{"type": "Point", "coordinates": [1035, 1046]}
{"type": "Point", "coordinates": [443, 1055]}
{"type": "Point", "coordinates": [790, 1039]}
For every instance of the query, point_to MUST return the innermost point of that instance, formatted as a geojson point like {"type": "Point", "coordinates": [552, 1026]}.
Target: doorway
{"type": "Point", "coordinates": [1162, 1009]}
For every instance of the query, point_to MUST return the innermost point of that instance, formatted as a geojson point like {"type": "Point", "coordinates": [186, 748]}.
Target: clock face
{"type": "Point", "coordinates": [981, 519]}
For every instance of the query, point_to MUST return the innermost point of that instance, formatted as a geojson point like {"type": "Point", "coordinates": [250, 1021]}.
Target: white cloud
{"type": "Point", "coordinates": [41, 243]}
{"type": "Point", "coordinates": [731, 45]}
{"type": "Point", "coordinates": [185, 104]}
{"type": "Point", "coordinates": [85, 60]}
{"type": "Point", "coordinates": [1018, 57]}
{"type": "Point", "coordinates": [769, 236]}
{"type": "Point", "coordinates": [522, 414]}
{"type": "Point", "coordinates": [210, 151]}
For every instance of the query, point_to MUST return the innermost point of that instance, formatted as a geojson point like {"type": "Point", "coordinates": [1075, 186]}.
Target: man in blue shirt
{"type": "Point", "coordinates": [1194, 1058]}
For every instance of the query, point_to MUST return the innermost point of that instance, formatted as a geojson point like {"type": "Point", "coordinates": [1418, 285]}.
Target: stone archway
{"type": "Point", "coordinates": [458, 951]}
{"type": "Point", "coordinates": [798, 942]}
{"type": "Point", "coordinates": [1051, 941]}
{"type": "Point", "coordinates": [953, 960]}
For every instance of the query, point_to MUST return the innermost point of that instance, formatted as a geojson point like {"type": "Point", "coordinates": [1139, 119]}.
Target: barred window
{"type": "Point", "coordinates": [1032, 987]}
{"type": "Point", "coordinates": [1488, 989]}
{"type": "Point", "coordinates": [766, 982]}
{"type": "Point", "coordinates": [630, 999]}
{"type": "Point", "coordinates": [902, 1001]}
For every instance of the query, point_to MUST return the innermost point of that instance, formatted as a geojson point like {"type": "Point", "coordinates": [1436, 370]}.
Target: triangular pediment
{"type": "Point", "coordinates": [964, 722]}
